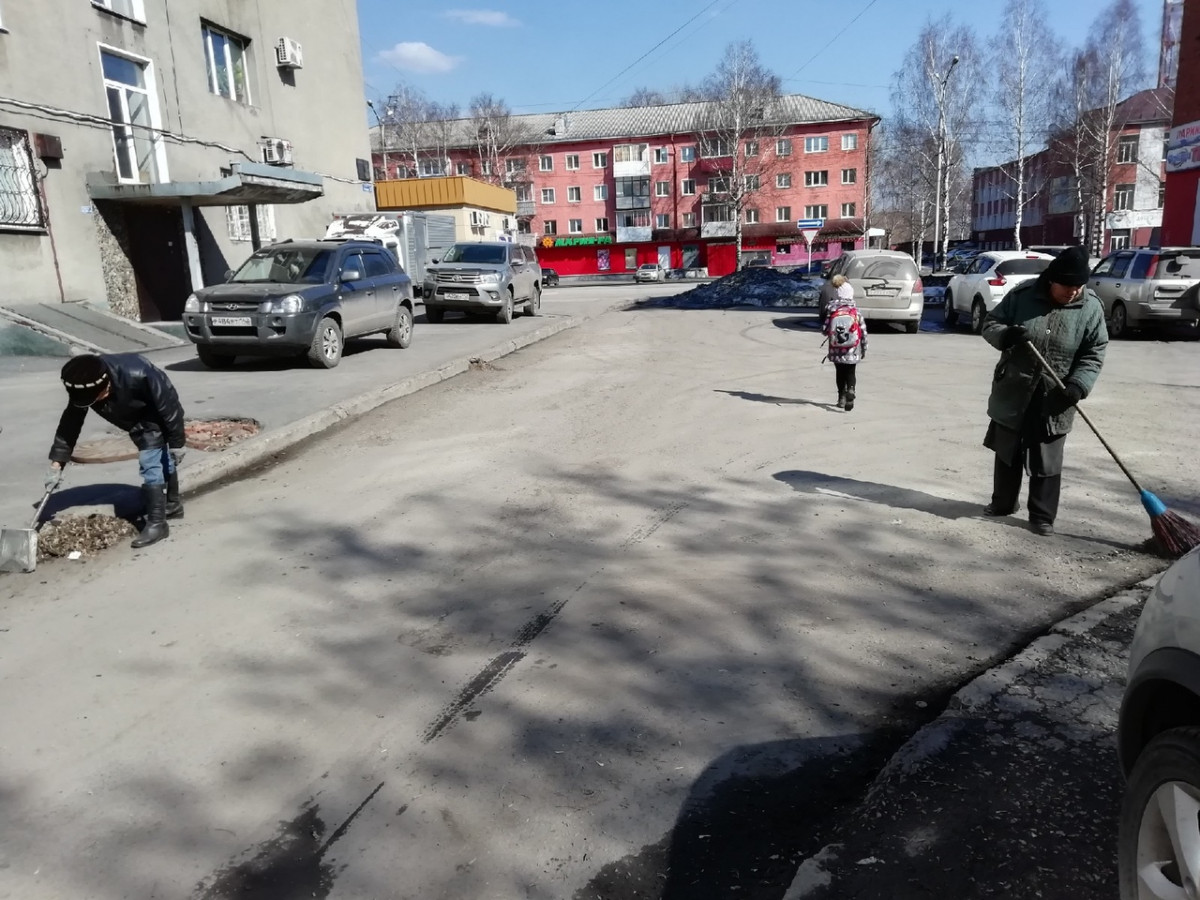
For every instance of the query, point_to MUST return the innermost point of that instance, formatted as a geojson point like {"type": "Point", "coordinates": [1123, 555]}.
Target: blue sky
{"type": "Point", "coordinates": [550, 55]}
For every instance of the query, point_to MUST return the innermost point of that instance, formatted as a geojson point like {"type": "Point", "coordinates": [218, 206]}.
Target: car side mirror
{"type": "Point", "coordinates": [351, 275]}
{"type": "Point", "coordinates": [228, 274]}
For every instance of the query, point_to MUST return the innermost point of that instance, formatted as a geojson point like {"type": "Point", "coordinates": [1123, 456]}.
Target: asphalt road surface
{"type": "Point", "coordinates": [632, 613]}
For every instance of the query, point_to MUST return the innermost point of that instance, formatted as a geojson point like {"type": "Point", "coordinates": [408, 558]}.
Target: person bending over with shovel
{"type": "Point", "coordinates": [1030, 415]}
{"type": "Point", "coordinates": [138, 397]}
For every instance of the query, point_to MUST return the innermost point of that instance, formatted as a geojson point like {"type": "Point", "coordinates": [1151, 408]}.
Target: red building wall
{"type": "Point", "coordinates": [1179, 208]}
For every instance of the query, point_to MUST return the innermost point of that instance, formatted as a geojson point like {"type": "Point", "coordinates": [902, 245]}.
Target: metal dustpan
{"type": "Point", "coordinates": [18, 546]}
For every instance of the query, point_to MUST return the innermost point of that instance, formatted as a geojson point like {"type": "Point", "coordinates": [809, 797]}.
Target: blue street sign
{"type": "Point", "coordinates": [810, 223]}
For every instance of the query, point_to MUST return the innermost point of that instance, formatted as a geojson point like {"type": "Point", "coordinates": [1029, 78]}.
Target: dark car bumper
{"type": "Point", "coordinates": [254, 332]}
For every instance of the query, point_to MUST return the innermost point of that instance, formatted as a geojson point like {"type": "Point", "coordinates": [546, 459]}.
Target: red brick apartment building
{"type": "Point", "coordinates": [603, 191]}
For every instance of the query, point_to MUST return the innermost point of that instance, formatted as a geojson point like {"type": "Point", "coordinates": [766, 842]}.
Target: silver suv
{"type": "Point", "coordinates": [1144, 288]}
{"type": "Point", "coordinates": [488, 276]}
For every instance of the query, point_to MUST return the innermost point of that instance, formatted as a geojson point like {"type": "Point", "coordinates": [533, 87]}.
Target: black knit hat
{"type": "Point", "coordinates": [1070, 268]}
{"type": "Point", "coordinates": [85, 378]}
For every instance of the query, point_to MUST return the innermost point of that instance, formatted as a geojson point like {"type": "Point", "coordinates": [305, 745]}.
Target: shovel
{"type": "Point", "coordinates": [18, 546]}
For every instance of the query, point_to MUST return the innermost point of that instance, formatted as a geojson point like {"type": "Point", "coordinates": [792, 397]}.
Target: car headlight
{"type": "Point", "coordinates": [492, 278]}
{"type": "Point", "coordinates": [292, 303]}
{"type": "Point", "coordinates": [192, 304]}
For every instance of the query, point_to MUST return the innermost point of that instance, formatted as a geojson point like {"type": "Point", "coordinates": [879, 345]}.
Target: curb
{"type": "Point", "coordinates": [247, 454]}
{"type": "Point", "coordinates": [931, 739]}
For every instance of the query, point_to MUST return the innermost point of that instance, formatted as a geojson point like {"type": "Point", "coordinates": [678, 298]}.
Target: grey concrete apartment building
{"type": "Point", "coordinates": [147, 145]}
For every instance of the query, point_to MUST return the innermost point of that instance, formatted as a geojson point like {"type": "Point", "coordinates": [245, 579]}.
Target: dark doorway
{"type": "Point", "coordinates": [160, 270]}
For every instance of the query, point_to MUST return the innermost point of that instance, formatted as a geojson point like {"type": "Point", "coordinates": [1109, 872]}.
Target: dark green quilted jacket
{"type": "Point", "coordinates": [1072, 338]}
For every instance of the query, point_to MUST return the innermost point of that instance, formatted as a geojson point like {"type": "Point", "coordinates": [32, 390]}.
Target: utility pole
{"type": "Point", "coordinates": [382, 139]}
{"type": "Point", "coordinates": [939, 249]}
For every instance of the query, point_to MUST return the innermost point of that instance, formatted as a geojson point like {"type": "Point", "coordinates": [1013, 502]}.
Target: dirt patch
{"type": "Point", "coordinates": [482, 365]}
{"type": "Point", "coordinates": [200, 434]}
{"type": "Point", "coordinates": [87, 534]}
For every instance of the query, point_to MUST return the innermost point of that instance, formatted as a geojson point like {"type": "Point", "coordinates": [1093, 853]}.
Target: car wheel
{"type": "Point", "coordinates": [1118, 322]}
{"type": "Point", "coordinates": [912, 327]}
{"type": "Point", "coordinates": [951, 312]}
{"type": "Point", "coordinates": [1160, 816]}
{"type": "Point", "coordinates": [434, 314]}
{"type": "Point", "coordinates": [978, 313]}
{"type": "Point", "coordinates": [505, 313]}
{"type": "Point", "coordinates": [325, 351]}
{"type": "Point", "coordinates": [214, 360]}
{"type": "Point", "coordinates": [535, 302]}
{"type": "Point", "coordinates": [401, 333]}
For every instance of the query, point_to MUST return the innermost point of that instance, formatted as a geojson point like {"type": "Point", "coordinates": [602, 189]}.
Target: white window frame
{"type": "Point", "coordinates": [160, 175]}
{"type": "Point", "coordinates": [783, 147]}
{"type": "Point", "coordinates": [662, 220]}
{"type": "Point", "coordinates": [485, 167]}
{"type": "Point", "coordinates": [685, 185]}
{"type": "Point", "coordinates": [850, 141]}
{"type": "Point", "coordinates": [1124, 191]}
{"type": "Point", "coordinates": [817, 211]}
{"type": "Point", "coordinates": [574, 194]}
{"type": "Point", "coordinates": [514, 165]}
{"type": "Point", "coordinates": [571, 162]}
{"type": "Point", "coordinates": [688, 153]}
{"type": "Point", "coordinates": [849, 210]}
{"type": "Point", "coordinates": [816, 178]}
{"type": "Point", "coordinates": [661, 156]}
{"type": "Point", "coordinates": [137, 9]}
{"type": "Point", "coordinates": [574, 226]}
{"type": "Point", "coordinates": [600, 192]}
{"type": "Point", "coordinates": [662, 189]}
{"type": "Point", "coordinates": [687, 220]}
{"type": "Point", "coordinates": [751, 182]}
{"type": "Point", "coordinates": [783, 214]}
{"type": "Point", "coordinates": [817, 143]}
{"type": "Point", "coordinates": [1127, 142]}
{"type": "Point", "coordinates": [550, 226]}
{"type": "Point", "coordinates": [717, 148]}
{"type": "Point", "coordinates": [783, 180]}
{"type": "Point", "coordinates": [751, 216]}
{"type": "Point", "coordinates": [210, 63]}
{"type": "Point", "coordinates": [547, 196]}
{"type": "Point", "coordinates": [545, 163]}
{"type": "Point", "coordinates": [1119, 239]}
{"type": "Point", "coordinates": [462, 168]}
{"type": "Point", "coordinates": [751, 148]}
{"type": "Point", "coordinates": [601, 224]}
{"type": "Point", "coordinates": [600, 159]}
{"type": "Point", "coordinates": [849, 176]}
{"type": "Point", "coordinates": [237, 223]}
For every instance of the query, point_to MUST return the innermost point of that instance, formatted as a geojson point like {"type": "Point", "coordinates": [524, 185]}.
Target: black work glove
{"type": "Point", "coordinates": [1013, 336]}
{"type": "Point", "coordinates": [1058, 401]}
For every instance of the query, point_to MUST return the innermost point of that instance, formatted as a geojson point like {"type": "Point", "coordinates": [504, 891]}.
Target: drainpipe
{"type": "Point", "coordinates": [62, 294]}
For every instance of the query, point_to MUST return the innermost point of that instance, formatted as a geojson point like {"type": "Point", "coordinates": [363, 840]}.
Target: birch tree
{"type": "Point", "coordinates": [498, 137]}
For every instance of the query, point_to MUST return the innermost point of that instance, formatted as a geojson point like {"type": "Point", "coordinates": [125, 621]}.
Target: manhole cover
{"type": "Point", "coordinates": [201, 434]}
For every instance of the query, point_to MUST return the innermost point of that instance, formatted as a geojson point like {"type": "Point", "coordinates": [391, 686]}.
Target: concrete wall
{"type": "Point", "coordinates": [50, 57]}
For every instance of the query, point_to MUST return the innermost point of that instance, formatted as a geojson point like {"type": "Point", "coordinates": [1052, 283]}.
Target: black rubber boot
{"type": "Point", "coordinates": [849, 399]}
{"type": "Point", "coordinates": [156, 527]}
{"type": "Point", "coordinates": [174, 504]}
{"type": "Point", "coordinates": [841, 404]}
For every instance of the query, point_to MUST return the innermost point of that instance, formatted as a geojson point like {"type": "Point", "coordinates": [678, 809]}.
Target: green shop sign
{"type": "Point", "coordinates": [583, 241]}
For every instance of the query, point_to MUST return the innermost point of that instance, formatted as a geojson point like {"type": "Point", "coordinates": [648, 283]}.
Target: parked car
{"type": "Point", "coordinates": [1158, 741]}
{"type": "Point", "coordinates": [303, 298]}
{"type": "Point", "coordinates": [494, 277]}
{"type": "Point", "coordinates": [650, 272]}
{"type": "Point", "coordinates": [887, 287]}
{"type": "Point", "coordinates": [1146, 288]}
{"type": "Point", "coordinates": [758, 262]}
{"type": "Point", "coordinates": [549, 277]}
{"type": "Point", "coordinates": [991, 275]}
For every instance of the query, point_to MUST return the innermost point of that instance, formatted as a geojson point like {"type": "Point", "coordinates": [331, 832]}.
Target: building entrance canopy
{"type": "Point", "coordinates": [246, 184]}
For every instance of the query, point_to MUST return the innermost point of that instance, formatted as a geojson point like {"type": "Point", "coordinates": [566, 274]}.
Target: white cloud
{"type": "Point", "coordinates": [417, 56]}
{"type": "Point", "coordinates": [494, 18]}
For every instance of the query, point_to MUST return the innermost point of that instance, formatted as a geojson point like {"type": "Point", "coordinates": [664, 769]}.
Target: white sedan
{"type": "Point", "coordinates": [992, 275]}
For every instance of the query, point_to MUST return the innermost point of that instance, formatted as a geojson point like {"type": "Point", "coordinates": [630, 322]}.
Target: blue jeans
{"type": "Point", "coordinates": [155, 465]}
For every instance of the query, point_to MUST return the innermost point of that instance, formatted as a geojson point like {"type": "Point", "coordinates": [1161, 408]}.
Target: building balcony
{"type": "Point", "coordinates": [638, 168]}
{"type": "Point", "coordinates": [714, 196]}
{"type": "Point", "coordinates": [637, 202]}
{"type": "Point", "coordinates": [526, 209]}
{"type": "Point", "coordinates": [717, 229]}
{"type": "Point", "coordinates": [628, 234]}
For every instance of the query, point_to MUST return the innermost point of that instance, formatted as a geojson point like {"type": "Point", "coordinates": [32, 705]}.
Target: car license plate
{"type": "Point", "coordinates": [455, 295]}
{"type": "Point", "coordinates": [232, 321]}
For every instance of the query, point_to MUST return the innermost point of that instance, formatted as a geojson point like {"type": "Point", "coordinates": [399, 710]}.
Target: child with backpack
{"type": "Point", "coordinates": [846, 336]}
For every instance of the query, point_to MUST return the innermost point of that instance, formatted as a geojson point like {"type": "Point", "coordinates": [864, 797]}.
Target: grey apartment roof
{"type": "Point", "coordinates": [649, 121]}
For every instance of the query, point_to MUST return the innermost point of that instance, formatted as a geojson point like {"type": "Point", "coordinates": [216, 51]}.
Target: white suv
{"type": "Point", "coordinates": [990, 276]}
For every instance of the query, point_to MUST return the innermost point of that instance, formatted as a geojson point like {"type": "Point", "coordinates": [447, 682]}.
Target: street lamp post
{"type": "Point", "coordinates": [939, 250]}
{"type": "Point", "coordinates": [382, 139]}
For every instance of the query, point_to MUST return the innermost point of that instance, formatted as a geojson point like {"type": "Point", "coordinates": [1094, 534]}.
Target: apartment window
{"type": "Point", "coordinates": [19, 203]}
{"type": "Point", "coordinates": [687, 187]}
{"type": "Point", "coordinates": [630, 152]}
{"type": "Point", "coordinates": [1119, 239]}
{"type": "Point", "coordinates": [752, 148]}
{"type": "Point", "coordinates": [547, 195]}
{"type": "Point", "coordinates": [783, 180]}
{"type": "Point", "coordinates": [816, 179]}
{"type": "Point", "coordinates": [574, 194]}
{"type": "Point", "coordinates": [849, 210]}
{"type": "Point", "coordinates": [1127, 148]}
{"type": "Point", "coordinates": [572, 161]}
{"type": "Point", "coordinates": [751, 216]}
{"type": "Point", "coordinates": [433, 167]}
{"type": "Point", "coordinates": [819, 211]}
{"type": "Point", "coordinates": [550, 226]}
{"type": "Point", "coordinates": [688, 220]}
{"type": "Point", "coordinates": [718, 185]}
{"type": "Point", "coordinates": [717, 212]}
{"type": "Point", "coordinates": [523, 227]}
{"type": "Point", "coordinates": [783, 214]}
{"type": "Point", "coordinates": [849, 176]}
{"type": "Point", "coordinates": [130, 9]}
{"type": "Point", "coordinates": [602, 224]}
{"type": "Point", "coordinates": [714, 148]}
{"type": "Point", "coordinates": [599, 160]}
{"type": "Point", "coordinates": [546, 163]}
{"type": "Point", "coordinates": [237, 221]}
{"type": "Point", "coordinates": [514, 166]}
{"type": "Point", "coordinates": [751, 182]}
{"type": "Point", "coordinates": [816, 144]}
{"type": "Point", "coordinates": [783, 147]}
{"type": "Point", "coordinates": [1123, 197]}
{"type": "Point", "coordinates": [662, 220]}
{"type": "Point", "coordinates": [462, 168]}
{"type": "Point", "coordinates": [485, 167]}
{"type": "Point", "coordinates": [225, 56]}
{"type": "Point", "coordinates": [132, 109]}
{"type": "Point", "coordinates": [600, 192]}
{"type": "Point", "coordinates": [662, 189]}
{"type": "Point", "coordinates": [1162, 194]}
{"type": "Point", "coordinates": [575, 226]}
{"type": "Point", "coordinates": [687, 154]}
{"type": "Point", "coordinates": [660, 155]}
{"type": "Point", "coordinates": [849, 141]}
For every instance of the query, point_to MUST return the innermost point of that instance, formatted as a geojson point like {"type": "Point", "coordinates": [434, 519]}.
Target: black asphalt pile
{"type": "Point", "coordinates": [758, 286]}
{"type": "Point", "coordinates": [86, 534]}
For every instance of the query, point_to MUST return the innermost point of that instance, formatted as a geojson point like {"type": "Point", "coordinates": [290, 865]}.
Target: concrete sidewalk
{"type": "Point", "coordinates": [291, 401]}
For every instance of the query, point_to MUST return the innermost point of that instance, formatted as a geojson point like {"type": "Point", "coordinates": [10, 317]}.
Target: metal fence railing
{"type": "Point", "coordinates": [20, 205]}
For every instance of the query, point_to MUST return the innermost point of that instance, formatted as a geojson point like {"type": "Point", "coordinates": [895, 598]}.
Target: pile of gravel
{"type": "Point", "coordinates": [87, 534]}
{"type": "Point", "coordinates": [757, 286]}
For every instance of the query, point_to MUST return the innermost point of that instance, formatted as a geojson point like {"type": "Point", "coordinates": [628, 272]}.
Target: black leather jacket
{"type": "Point", "coordinates": [142, 401]}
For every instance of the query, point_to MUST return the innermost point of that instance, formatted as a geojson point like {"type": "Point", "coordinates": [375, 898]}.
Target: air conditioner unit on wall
{"type": "Point", "coordinates": [289, 54]}
{"type": "Point", "coordinates": [276, 151]}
